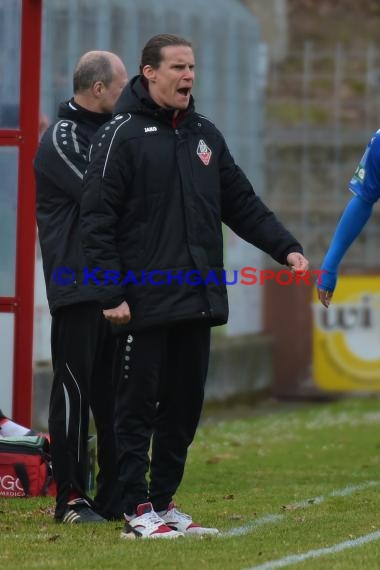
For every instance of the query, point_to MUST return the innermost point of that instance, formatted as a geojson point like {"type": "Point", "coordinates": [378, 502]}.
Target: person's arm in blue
{"type": "Point", "coordinates": [353, 220]}
{"type": "Point", "coordinates": [365, 184]}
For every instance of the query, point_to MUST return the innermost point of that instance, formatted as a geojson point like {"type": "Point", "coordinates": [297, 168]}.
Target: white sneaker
{"type": "Point", "coordinates": [184, 523]}
{"type": "Point", "coordinates": [147, 524]}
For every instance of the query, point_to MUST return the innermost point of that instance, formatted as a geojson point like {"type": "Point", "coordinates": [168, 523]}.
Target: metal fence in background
{"type": "Point", "coordinates": [322, 108]}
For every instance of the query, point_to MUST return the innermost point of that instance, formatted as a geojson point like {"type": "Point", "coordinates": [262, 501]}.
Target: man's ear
{"type": "Point", "coordinates": [149, 72]}
{"type": "Point", "coordinates": [98, 88]}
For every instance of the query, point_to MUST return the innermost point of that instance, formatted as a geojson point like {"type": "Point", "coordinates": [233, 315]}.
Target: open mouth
{"type": "Point", "coordinates": [184, 91]}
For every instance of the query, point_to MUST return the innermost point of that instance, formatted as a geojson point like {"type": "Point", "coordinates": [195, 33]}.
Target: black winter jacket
{"type": "Point", "coordinates": [59, 166]}
{"type": "Point", "coordinates": [155, 195]}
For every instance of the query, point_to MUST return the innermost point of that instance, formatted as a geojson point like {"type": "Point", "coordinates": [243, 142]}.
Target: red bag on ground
{"type": "Point", "coordinates": [25, 467]}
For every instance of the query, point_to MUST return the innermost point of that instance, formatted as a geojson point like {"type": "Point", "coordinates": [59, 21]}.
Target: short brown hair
{"type": "Point", "coordinates": [151, 53]}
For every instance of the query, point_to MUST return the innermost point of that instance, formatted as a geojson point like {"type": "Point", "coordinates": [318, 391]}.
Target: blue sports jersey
{"type": "Point", "coordinates": [365, 182]}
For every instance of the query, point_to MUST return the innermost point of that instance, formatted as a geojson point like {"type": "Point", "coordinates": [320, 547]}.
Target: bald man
{"type": "Point", "coordinates": [82, 346]}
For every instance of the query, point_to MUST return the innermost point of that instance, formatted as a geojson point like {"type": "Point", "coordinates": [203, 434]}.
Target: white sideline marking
{"type": "Point", "coordinates": [270, 518]}
{"type": "Point", "coordinates": [295, 558]}
{"type": "Point", "coordinates": [238, 531]}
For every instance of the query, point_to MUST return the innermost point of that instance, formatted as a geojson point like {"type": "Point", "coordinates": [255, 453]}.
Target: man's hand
{"type": "Point", "coordinates": [326, 286]}
{"type": "Point", "coordinates": [120, 315]}
{"type": "Point", "coordinates": [325, 297]}
{"type": "Point", "coordinates": [297, 262]}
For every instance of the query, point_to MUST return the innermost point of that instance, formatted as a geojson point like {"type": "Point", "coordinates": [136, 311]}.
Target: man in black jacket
{"type": "Point", "coordinates": [81, 340]}
{"type": "Point", "coordinates": [160, 182]}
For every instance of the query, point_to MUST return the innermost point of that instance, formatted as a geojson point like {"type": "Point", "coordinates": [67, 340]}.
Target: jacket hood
{"type": "Point", "coordinates": [135, 98]}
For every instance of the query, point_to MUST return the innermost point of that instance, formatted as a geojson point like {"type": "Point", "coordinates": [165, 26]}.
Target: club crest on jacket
{"type": "Point", "coordinates": [204, 152]}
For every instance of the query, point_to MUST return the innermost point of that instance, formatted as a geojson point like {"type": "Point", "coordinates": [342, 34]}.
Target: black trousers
{"type": "Point", "coordinates": [83, 349]}
{"type": "Point", "coordinates": [160, 390]}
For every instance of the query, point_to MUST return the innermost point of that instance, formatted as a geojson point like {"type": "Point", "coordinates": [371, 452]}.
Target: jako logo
{"type": "Point", "coordinates": [9, 483]}
{"type": "Point", "coordinates": [150, 129]}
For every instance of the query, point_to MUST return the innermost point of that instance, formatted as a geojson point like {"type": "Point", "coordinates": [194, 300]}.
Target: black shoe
{"type": "Point", "coordinates": [79, 511]}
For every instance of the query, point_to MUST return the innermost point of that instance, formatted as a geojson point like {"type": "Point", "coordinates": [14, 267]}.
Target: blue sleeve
{"type": "Point", "coordinates": [366, 179]}
{"type": "Point", "coordinates": [350, 225]}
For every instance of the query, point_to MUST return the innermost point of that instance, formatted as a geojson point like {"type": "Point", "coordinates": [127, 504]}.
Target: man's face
{"type": "Point", "coordinates": [112, 92]}
{"type": "Point", "coordinates": [171, 83]}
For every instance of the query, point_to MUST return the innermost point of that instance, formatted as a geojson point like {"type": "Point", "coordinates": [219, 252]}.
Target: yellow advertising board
{"type": "Point", "coordinates": [346, 336]}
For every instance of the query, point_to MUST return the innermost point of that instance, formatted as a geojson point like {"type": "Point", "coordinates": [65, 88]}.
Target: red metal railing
{"type": "Point", "coordinates": [26, 138]}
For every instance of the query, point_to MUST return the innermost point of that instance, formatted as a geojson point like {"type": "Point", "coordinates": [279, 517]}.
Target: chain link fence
{"type": "Point", "coordinates": [322, 108]}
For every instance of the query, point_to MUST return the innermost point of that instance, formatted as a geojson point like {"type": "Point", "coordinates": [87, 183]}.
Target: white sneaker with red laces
{"type": "Point", "coordinates": [184, 523]}
{"type": "Point", "coordinates": [147, 524]}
